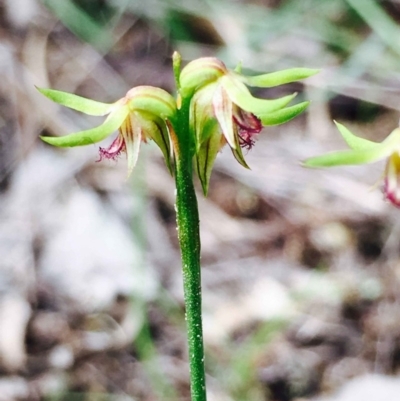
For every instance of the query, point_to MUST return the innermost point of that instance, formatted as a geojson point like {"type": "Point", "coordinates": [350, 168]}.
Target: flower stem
{"type": "Point", "coordinates": [189, 241]}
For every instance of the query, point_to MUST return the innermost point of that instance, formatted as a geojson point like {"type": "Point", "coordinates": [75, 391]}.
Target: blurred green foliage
{"type": "Point", "coordinates": [341, 26]}
{"type": "Point", "coordinates": [356, 37]}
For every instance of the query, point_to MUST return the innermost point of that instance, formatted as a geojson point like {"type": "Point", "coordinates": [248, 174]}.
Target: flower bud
{"type": "Point", "coordinates": [151, 100]}
{"type": "Point", "coordinates": [201, 72]}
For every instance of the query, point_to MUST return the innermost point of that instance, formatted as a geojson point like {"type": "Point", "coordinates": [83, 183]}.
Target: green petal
{"type": "Point", "coordinates": [200, 72]}
{"type": "Point", "coordinates": [354, 141]}
{"type": "Point", "coordinates": [350, 157]}
{"type": "Point", "coordinates": [202, 119]}
{"type": "Point", "coordinates": [90, 136]}
{"type": "Point", "coordinates": [77, 102]}
{"type": "Point", "coordinates": [237, 152]}
{"type": "Point", "coordinates": [361, 156]}
{"type": "Point", "coordinates": [283, 115]}
{"type": "Point", "coordinates": [241, 96]}
{"type": "Point", "coordinates": [145, 126]}
{"type": "Point", "coordinates": [206, 156]}
{"type": "Point", "coordinates": [223, 110]}
{"type": "Point", "coordinates": [346, 157]}
{"type": "Point", "coordinates": [131, 130]}
{"type": "Point", "coordinates": [279, 77]}
{"type": "Point", "coordinates": [209, 128]}
{"type": "Point", "coordinates": [160, 135]}
{"type": "Point", "coordinates": [152, 100]}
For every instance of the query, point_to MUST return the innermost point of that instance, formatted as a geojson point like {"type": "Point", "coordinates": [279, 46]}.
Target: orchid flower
{"type": "Point", "coordinates": [223, 111]}
{"type": "Point", "coordinates": [213, 108]}
{"type": "Point", "coordinates": [363, 151]}
{"type": "Point", "coordinates": [140, 115]}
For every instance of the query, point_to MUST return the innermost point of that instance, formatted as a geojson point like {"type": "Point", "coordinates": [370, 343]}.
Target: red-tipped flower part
{"type": "Point", "coordinates": [223, 111]}
{"type": "Point", "coordinates": [140, 115]}
{"type": "Point", "coordinates": [391, 187]}
{"type": "Point", "coordinates": [363, 151]}
{"type": "Point", "coordinates": [114, 150]}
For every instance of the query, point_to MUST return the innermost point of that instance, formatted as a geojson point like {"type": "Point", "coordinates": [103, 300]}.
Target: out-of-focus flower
{"type": "Point", "coordinates": [140, 115]}
{"type": "Point", "coordinates": [222, 109]}
{"type": "Point", "coordinates": [363, 151]}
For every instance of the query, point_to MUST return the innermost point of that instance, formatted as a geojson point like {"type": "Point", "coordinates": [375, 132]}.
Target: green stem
{"type": "Point", "coordinates": [189, 240]}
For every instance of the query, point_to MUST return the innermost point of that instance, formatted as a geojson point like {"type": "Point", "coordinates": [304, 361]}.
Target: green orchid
{"type": "Point", "coordinates": [363, 151]}
{"type": "Point", "coordinates": [142, 114]}
{"type": "Point", "coordinates": [223, 111]}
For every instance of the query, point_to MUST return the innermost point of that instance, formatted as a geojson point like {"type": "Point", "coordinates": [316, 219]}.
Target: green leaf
{"type": "Point", "coordinates": [283, 115]}
{"type": "Point", "coordinates": [90, 136]}
{"type": "Point", "coordinates": [279, 77]}
{"type": "Point", "coordinates": [354, 141]}
{"type": "Point", "coordinates": [76, 102]}
{"type": "Point", "coordinates": [241, 96]}
{"type": "Point", "coordinates": [380, 21]}
{"type": "Point", "coordinates": [81, 24]}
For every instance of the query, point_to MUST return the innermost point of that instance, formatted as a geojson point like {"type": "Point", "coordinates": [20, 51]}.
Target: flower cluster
{"type": "Point", "coordinates": [222, 111]}
{"type": "Point", "coordinates": [140, 115]}
{"type": "Point", "coordinates": [363, 151]}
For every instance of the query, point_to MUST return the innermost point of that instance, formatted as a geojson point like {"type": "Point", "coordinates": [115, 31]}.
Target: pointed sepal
{"type": "Point", "coordinates": [279, 77]}
{"type": "Point", "coordinates": [237, 151]}
{"type": "Point", "coordinates": [283, 115]}
{"type": "Point", "coordinates": [241, 96]}
{"type": "Point", "coordinates": [93, 135]}
{"type": "Point", "coordinates": [354, 142]}
{"type": "Point", "coordinates": [363, 156]}
{"type": "Point", "coordinates": [76, 102]}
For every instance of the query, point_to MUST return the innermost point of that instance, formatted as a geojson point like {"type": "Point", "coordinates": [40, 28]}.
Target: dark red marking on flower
{"type": "Point", "coordinates": [114, 150]}
{"type": "Point", "coordinates": [391, 196]}
{"type": "Point", "coordinates": [247, 121]}
{"type": "Point", "coordinates": [246, 139]}
{"type": "Point", "coordinates": [248, 126]}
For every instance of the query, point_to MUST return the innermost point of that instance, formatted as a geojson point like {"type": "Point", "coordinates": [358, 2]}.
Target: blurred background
{"type": "Point", "coordinates": [301, 268]}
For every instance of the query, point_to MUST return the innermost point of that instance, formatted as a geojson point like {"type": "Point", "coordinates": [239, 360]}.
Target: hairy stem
{"type": "Point", "coordinates": [189, 240]}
